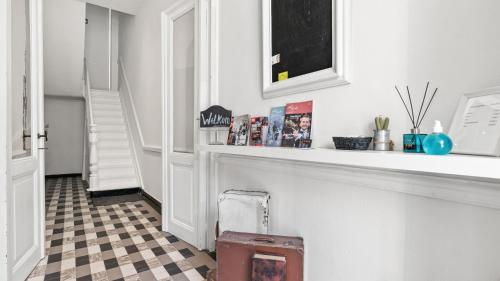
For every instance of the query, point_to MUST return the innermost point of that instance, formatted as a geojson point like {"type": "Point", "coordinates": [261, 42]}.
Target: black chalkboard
{"type": "Point", "coordinates": [301, 36]}
{"type": "Point", "coordinates": [215, 116]}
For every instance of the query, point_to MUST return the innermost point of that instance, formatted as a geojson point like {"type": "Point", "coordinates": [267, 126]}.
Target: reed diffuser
{"type": "Point", "coordinates": [413, 141]}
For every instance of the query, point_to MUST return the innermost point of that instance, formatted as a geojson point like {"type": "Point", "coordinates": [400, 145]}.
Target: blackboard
{"type": "Point", "coordinates": [301, 36]}
{"type": "Point", "coordinates": [215, 116]}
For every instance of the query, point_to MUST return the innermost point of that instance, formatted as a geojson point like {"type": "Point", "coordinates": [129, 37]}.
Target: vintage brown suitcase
{"type": "Point", "coordinates": [235, 251]}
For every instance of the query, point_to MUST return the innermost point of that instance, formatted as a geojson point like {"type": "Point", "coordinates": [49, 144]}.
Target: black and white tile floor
{"type": "Point", "coordinates": [114, 242]}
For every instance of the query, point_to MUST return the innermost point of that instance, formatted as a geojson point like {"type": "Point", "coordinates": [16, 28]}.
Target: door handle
{"type": "Point", "coordinates": [45, 135]}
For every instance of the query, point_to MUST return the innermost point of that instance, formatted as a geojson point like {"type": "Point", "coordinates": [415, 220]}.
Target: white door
{"type": "Point", "coordinates": [25, 193]}
{"type": "Point", "coordinates": [180, 96]}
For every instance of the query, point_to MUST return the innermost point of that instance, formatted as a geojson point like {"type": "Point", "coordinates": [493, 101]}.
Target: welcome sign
{"type": "Point", "coordinates": [215, 116]}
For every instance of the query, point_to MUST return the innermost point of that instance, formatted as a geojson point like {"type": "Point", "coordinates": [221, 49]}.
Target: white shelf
{"type": "Point", "coordinates": [480, 167]}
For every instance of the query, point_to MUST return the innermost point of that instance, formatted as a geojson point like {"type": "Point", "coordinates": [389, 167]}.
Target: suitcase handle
{"type": "Point", "coordinates": [264, 239]}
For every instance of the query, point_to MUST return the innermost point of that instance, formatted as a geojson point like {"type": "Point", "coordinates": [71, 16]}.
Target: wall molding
{"type": "Point", "coordinates": [449, 189]}
{"type": "Point", "coordinates": [458, 190]}
{"type": "Point", "coordinates": [145, 147]}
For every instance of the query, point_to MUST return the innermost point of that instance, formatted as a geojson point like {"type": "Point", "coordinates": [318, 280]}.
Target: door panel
{"type": "Point", "coordinates": [182, 194]}
{"type": "Point", "coordinates": [24, 218]}
{"type": "Point", "coordinates": [22, 197]}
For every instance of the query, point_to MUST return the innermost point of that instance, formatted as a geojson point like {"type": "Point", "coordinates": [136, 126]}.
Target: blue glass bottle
{"type": "Point", "coordinates": [437, 143]}
{"type": "Point", "coordinates": [413, 143]}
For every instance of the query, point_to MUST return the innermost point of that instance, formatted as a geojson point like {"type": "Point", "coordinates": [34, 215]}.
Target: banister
{"type": "Point", "coordinates": [88, 97]}
{"type": "Point", "coordinates": [91, 129]}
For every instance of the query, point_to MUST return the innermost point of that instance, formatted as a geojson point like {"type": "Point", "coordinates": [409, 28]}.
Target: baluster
{"type": "Point", "coordinates": [93, 179]}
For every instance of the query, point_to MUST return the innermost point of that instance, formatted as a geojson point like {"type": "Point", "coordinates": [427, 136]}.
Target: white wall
{"type": "Point", "coordinates": [355, 233]}
{"type": "Point", "coordinates": [115, 31]}
{"type": "Point", "coordinates": [454, 43]}
{"type": "Point", "coordinates": [352, 233]}
{"type": "Point", "coordinates": [97, 46]}
{"type": "Point", "coordinates": [64, 41]}
{"type": "Point", "coordinates": [358, 232]}
{"type": "Point", "coordinates": [140, 48]}
{"type": "Point", "coordinates": [65, 116]}
{"type": "Point", "coordinates": [124, 6]}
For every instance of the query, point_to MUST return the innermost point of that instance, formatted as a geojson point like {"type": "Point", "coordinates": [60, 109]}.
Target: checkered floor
{"type": "Point", "coordinates": [116, 242]}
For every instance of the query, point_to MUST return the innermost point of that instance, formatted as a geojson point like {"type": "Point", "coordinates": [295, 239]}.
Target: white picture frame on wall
{"type": "Point", "coordinates": [475, 128]}
{"type": "Point", "coordinates": [337, 75]}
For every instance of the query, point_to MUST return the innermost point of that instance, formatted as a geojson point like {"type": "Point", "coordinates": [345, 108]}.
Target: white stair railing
{"type": "Point", "coordinates": [91, 131]}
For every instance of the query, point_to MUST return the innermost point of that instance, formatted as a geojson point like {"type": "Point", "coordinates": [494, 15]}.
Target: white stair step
{"type": "Point", "coordinates": [118, 183]}
{"type": "Point", "coordinates": [114, 154]}
{"type": "Point", "coordinates": [106, 107]}
{"type": "Point", "coordinates": [116, 173]}
{"type": "Point", "coordinates": [104, 93]}
{"type": "Point", "coordinates": [115, 164]}
{"type": "Point", "coordinates": [112, 136]}
{"type": "Point", "coordinates": [105, 113]}
{"type": "Point", "coordinates": [113, 145]}
{"type": "Point", "coordinates": [109, 120]}
{"type": "Point", "coordinates": [113, 151]}
{"type": "Point", "coordinates": [111, 128]}
{"type": "Point", "coordinates": [105, 98]}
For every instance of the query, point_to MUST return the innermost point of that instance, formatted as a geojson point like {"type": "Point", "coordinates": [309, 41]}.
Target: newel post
{"type": "Point", "coordinates": [93, 180]}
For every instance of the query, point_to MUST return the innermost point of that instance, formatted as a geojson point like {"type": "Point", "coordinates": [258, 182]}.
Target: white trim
{"type": "Point", "coordinates": [164, 122]}
{"type": "Point", "coordinates": [214, 49]}
{"type": "Point", "coordinates": [155, 149]}
{"type": "Point", "coordinates": [109, 48]}
{"type": "Point", "coordinates": [5, 128]}
{"type": "Point", "coordinates": [464, 191]}
{"type": "Point", "coordinates": [37, 88]}
{"type": "Point", "coordinates": [465, 166]}
{"type": "Point", "coordinates": [336, 76]}
{"type": "Point", "coordinates": [146, 147]}
{"type": "Point", "coordinates": [208, 95]}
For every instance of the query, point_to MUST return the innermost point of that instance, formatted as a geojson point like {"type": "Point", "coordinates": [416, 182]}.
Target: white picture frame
{"type": "Point", "coordinates": [337, 75]}
{"type": "Point", "coordinates": [475, 129]}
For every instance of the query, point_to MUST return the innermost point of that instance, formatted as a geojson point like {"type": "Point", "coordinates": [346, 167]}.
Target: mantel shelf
{"type": "Point", "coordinates": [478, 167]}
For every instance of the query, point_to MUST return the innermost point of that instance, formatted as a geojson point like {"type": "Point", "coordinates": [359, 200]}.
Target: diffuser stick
{"type": "Point", "coordinates": [428, 105]}
{"type": "Point", "coordinates": [406, 107]}
{"type": "Point", "coordinates": [422, 104]}
{"type": "Point", "coordinates": [412, 111]}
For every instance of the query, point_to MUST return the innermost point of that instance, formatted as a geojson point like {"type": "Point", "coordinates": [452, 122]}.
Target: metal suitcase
{"type": "Point", "coordinates": [244, 211]}
{"type": "Point", "coordinates": [235, 251]}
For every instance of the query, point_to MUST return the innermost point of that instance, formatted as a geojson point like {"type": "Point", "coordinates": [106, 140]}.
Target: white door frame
{"type": "Point", "coordinates": [6, 162]}
{"type": "Point", "coordinates": [168, 17]}
{"type": "Point", "coordinates": [5, 128]}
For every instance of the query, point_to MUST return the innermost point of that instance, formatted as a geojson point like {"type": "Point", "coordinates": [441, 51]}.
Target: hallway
{"type": "Point", "coordinates": [120, 241]}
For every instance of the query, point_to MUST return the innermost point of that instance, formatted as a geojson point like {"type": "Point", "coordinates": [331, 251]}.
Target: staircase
{"type": "Point", "coordinates": [114, 157]}
{"type": "Point", "coordinates": [110, 159]}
